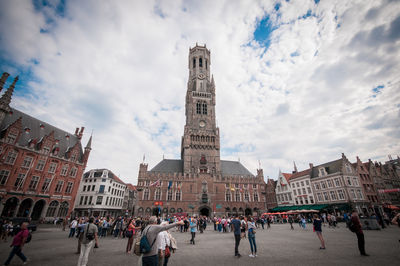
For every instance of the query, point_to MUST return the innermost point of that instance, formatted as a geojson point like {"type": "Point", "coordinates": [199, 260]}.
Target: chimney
{"type": "Point", "coordinates": [76, 131]}
{"type": "Point", "coordinates": [311, 165]}
{"type": "Point", "coordinates": [81, 132]}
{"type": "Point", "coordinates": [3, 80]}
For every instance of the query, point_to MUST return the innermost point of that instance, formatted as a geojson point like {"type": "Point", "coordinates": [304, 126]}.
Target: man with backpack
{"type": "Point", "coordinates": [89, 234]}
{"type": "Point", "coordinates": [18, 243]}
{"type": "Point", "coordinates": [149, 236]}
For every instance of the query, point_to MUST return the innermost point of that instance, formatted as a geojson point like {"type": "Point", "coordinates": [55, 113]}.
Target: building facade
{"type": "Point", "coordinates": [101, 193]}
{"type": "Point", "coordinates": [199, 182]}
{"type": "Point", "coordinates": [337, 182]}
{"type": "Point", "coordinates": [41, 166]}
{"type": "Point", "coordinates": [270, 194]}
{"type": "Point", "coordinates": [283, 191]}
{"type": "Point", "coordinates": [300, 183]}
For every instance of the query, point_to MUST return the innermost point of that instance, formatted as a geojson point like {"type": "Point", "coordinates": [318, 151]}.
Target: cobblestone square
{"type": "Point", "coordinates": [276, 246]}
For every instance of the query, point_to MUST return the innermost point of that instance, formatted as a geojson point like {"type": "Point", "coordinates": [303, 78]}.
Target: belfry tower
{"type": "Point", "coordinates": [200, 142]}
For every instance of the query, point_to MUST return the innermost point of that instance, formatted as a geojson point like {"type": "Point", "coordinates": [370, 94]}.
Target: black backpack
{"type": "Point", "coordinates": [351, 226]}
{"type": "Point", "coordinates": [29, 238]}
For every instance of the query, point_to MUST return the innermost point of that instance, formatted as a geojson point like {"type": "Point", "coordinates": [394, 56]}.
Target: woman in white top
{"type": "Point", "coordinates": [162, 241]}
{"type": "Point", "coordinates": [251, 229]}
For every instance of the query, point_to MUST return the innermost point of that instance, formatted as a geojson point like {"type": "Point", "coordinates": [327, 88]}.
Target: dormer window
{"type": "Point", "coordinates": [322, 172]}
{"type": "Point", "coordinates": [11, 137]}
{"type": "Point", "coordinates": [46, 150]}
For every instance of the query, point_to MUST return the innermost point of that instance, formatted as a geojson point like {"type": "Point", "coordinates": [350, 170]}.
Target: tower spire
{"type": "Point", "coordinates": [295, 167]}
{"type": "Point", "coordinates": [89, 144]}
{"type": "Point", "coordinates": [3, 80]}
{"type": "Point", "coordinates": [6, 98]}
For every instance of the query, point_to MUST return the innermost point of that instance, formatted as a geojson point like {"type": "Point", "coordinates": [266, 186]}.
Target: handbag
{"type": "Point", "coordinates": [136, 247]}
{"type": "Point", "coordinates": [167, 253]}
{"type": "Point", "coordinates": [129, 233]}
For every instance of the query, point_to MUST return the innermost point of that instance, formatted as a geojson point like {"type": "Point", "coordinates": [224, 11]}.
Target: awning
{"type": "Point", "coordinates": [317, 207]}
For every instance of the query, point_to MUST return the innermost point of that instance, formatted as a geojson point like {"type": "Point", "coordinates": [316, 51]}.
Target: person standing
{"type": "Point", "coordinates": [162, 241]}
{"type": "Point", "coordinates": [193, 229]}
{"type": "Point", "coordinates": [72, 229]}
{"type": "Point", "coordinates": [317, 223]}
{"type": "Point", "coordinates": [251, 229]}
{"type": "Point", "coordinates": [358, 230]}
{"type": "Point", "coordinates": [18, 243]}
{"type": "Point", "coordinates": [89, 234]}
{"type": "Point", "coordinates": [151, 231]}
{"type": "Point", "coordinates": [236, 232]}
{"type": "Point", "coordinates": [130, 233]}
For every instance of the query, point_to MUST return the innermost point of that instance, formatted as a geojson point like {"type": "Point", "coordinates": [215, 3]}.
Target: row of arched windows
{"type": "Point", "coordinates": [202, 138]}
{"type": "Point", "coordinates": [165, 210]}
{"type": "Point", "coordinates": [200, 62]}
{"type": "Point", "coordinates": [237, 196]}
{"type": "Point", "coordinates": [201, 108]}
{"type": "Point", "coordinates": [171, 195]}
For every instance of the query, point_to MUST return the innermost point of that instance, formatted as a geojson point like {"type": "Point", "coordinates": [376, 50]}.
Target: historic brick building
{"type": "Point", "coordinates": [40, 165]}
{"type": "Point", "coordinates": [200, 182]}
{"type": "Point", "coordinates": [270, 194]}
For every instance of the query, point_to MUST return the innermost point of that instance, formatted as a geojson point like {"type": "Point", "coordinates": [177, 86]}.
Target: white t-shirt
{"type": "Point", "coordinates": [163, 240]}
{"type": "Point", "coordinates": [74, 223]}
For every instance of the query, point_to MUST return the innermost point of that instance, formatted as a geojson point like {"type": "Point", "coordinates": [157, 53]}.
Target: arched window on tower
{"type": "Point", "coordinates": [200, 62]}
{"type": "Point", "coordinates": [198, 108]}
{"type": "Point", "coordinates": [206, 63]}
{"type": "Point", "coordinates": [204, 108]}
{"type": "Point", "coordinates": [146, 194]}
{"type": "Point", "coordinates": [194, 62]}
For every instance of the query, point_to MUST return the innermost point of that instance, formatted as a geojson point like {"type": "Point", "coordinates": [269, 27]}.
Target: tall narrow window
{"type": "Point", "coordinates": [198, 108]}
{"type": "Point", "coordinates": [206, 63]}
{"type": "Point", "coordinates": [194, 62]}
{"type": "Point", "coordinates": [4, 176]}
{"type": "Point", "coordinates": [200, 62]}
{"type": "Point", "coordinates": [146, 194]}
{"type": "Point", "coordinates": [204, 108]}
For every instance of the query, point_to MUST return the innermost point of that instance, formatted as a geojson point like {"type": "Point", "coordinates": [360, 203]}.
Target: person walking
{"type": "Point", "coordinates": [151, 231]}
{"type": "Point", "coordinates": [291, 222]}
{"type": "Point", "coordinates": [236, 232]}
{"type": "Point", "coordinates": [130, 233]}
{"type": "Point", "coordinates": [18, 243]}
{"type": "Point", "coordinates": [193, 230]}
{"type": "Point", "coordinates": [79, 235]}
{"type": "Point", "coordinates": [72, 229]}
{"type": "Point", "coordinates": [89, 234]}
{"type": "Point", "coordinates": [251, 230]}
{"type": "Point", "coordinates": [317, 223]}
{"type": "Point", "coordinates": [355, 220]}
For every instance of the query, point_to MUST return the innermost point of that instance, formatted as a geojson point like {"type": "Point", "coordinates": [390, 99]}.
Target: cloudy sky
{"type": "Point", "coordinates": [296, 81]}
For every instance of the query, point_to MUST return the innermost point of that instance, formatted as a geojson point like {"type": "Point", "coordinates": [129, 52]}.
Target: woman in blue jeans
{"type": "Point", "coordinates": [251, 228]}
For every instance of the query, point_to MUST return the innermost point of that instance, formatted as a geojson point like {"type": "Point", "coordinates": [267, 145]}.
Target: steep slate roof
{"type": "Point", "coordinates": [168, 166]}
{"type": "Point", "coordinates": [330, 168]}
{"type": "Point", "coordinates": [99, 173]}
{"type": "Point", "coordinates": [301, 173]}
{"type": "Point", "coordinates": [228, 168]}
{"type": "Point", "coordinates": [37, 133]}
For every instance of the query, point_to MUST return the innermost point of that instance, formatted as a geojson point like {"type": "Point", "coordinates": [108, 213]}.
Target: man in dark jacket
{"type": "Point", "coordinates": [358, 230]}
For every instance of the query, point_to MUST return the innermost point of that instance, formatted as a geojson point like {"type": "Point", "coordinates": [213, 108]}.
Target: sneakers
{"type": "Point", "coordinates": [251, 256]}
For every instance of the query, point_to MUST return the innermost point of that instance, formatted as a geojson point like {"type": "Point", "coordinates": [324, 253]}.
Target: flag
{"type": "Point", "coordinates": [179, 186]}
{"type": "Point", "coordinates": [232, 188]}
{"type": "Point", "coordinates": [156, 183]}
{"type": "Point", "coordinates": [241, 188]}
{"type": "Point", "coordinates": [169, 185]}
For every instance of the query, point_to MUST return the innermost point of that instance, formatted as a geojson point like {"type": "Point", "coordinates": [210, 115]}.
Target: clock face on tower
{"type": "Point", "coordinates": [202, 124]}
{"type": "Point", "coordinates": [201, 76]}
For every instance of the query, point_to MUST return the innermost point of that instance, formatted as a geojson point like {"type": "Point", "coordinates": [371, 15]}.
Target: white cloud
{"type": "Point", "coordinates": [121, 69]}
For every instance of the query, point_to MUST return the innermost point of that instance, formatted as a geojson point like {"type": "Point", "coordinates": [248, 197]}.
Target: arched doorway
{"type": "Point", "coordinates": [205, 211]}
{"type": "Point", "coordinates": [247, 212]}
{"type": "Point", "coordinates": [24, 208]}
{"type": "Point", "coordinates": [51, 211]}
{"type": "Point", "coordinates": [37, 209]}
{"type": "Point", "coordinates": [10, 207]}
{"type": "Point", "coordinates": [62, 212]}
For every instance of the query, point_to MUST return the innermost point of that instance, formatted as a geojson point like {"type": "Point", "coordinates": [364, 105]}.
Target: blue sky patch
{"type": "Point", "coordinates": [277, 6]}
{"type": "Point", "coordinates": [263, 32]}
{"type": "Point", "coordinates": [294, 54]}
{"type": "Point", "coordinates": [316, 2]}
{"type": "Point", "coordinates": [378, 89]}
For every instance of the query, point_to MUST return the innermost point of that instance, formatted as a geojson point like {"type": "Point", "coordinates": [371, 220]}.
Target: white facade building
{"type": "Point", "coordinates": [300, 183]}
{"type": "Point", "coordinates": [101, 193]}
{"type": "Point", "coordinates": [283, 191]}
